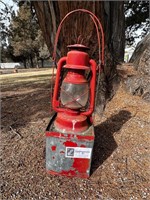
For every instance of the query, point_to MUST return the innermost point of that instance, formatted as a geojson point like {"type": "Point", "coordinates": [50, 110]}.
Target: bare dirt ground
{"type": "Point", "coordinates": [120, 165]}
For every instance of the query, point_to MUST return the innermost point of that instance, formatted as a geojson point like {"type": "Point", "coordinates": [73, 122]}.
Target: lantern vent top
{"type": "Point", "coordinates": [78, 47]}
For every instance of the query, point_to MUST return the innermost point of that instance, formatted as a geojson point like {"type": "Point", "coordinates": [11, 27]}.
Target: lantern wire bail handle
{"type": "Point", "coordinates": [98, 27]}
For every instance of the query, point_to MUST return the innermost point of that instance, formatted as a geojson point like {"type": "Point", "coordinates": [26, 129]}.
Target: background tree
{"type": "Point", "coordinates": [23, 32]}
{"type": "Point", "coordinates": [5, 13]}
{"type": "Point", "coordinates": [21, 38]}
{"type": "Point", "coordinates": [111, 14]}
{"type": "Point", "coordinates": [43, 52]}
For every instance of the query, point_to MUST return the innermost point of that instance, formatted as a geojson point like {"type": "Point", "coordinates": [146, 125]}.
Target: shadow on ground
{"type": "Point", "coordinates": [105, 143]}
{"type": "Point", "coordinates": [28, 105]}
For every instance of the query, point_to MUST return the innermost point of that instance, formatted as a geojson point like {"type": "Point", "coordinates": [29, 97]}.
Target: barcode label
{"type": "Point", "coordinates": [78, 152]}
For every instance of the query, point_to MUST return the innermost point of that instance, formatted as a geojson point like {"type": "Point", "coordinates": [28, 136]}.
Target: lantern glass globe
{"type": "Point", "coordinates": [74, 96]}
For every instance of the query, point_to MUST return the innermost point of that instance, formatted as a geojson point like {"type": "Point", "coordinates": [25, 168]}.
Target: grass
{"type": "Point", "coordinates": [25, 77]}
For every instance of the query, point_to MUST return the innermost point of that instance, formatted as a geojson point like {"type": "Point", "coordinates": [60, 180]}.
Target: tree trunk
{"type": "Point", "coordinates": [25, 63]}
{"type": "Point", "coordinates": [31, 61]}
{"type": "Point", "coordinates": [111, 15]}
{"type": "Point", "coordinates": [42, 63]}
{"type": "Point", "coordinates": [139, 83]}
{"type": "Point", "coordinates": [36, 61]}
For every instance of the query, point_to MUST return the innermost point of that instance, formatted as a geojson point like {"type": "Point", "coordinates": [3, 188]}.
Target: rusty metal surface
{"type": "Point", "coordinates": [65, 153]}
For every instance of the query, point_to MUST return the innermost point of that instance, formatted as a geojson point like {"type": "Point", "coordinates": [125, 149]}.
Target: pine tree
{"type": "Point", "coordinates": [43, 52]}
{"type": "Point", "coordinates": [23, 33]}
{"type": "Point", "coordinates": [5, 13]}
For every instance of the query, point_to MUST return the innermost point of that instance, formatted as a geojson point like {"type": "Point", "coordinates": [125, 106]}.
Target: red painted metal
{"type": "Point", "coordinates": [53, 148]}
{"type": "Point", "coordinates": [55, 101]}
{"type": "Point", "coordinates": [71, 136]}
{"type": "Point", "coordinates": [92, 89]}
{"type": "Point", "coordinates": [70, 173]}
{"type": "Point", "coordinates": [77, 59]}
{"type": "Point", "coordinates": [78, 47]}
{"type": "Point", "coordinates": [69, 123]}
{"type": "Point", "coordinates": [75, 76]}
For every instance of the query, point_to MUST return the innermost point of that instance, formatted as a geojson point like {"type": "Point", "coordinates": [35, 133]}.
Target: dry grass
{"type": "Point", "coordinates": [25, 77]}
{"type": "Point", "coordinates": [120, 166]}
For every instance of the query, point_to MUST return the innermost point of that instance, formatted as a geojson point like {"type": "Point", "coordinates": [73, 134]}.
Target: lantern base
{"type": "Point", "coordinates": [69, 154]}
{"type": "Point", "coordinates": [70, 122]}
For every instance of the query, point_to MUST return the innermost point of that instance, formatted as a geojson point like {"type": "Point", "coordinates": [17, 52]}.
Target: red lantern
{"type": "Point", "coordinates": [70, 134]}
{"type": "Point", "coordinates": [75, 91]}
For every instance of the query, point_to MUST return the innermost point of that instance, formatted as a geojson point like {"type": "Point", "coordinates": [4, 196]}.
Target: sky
{"type": "Point", "coordinates": [9, 3]}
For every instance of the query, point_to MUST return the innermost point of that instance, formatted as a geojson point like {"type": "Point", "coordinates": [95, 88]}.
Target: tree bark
{"type": "Point", "coordinates": [111, 15]}
{"type": "Point", "coordinates": [139, 84]}
{"type": "Point", "coordinates": [25, 63]}
{"type": "Point", "coordinates": [42, 63]}
{"type": "Point", "coordinates": [31, 61]}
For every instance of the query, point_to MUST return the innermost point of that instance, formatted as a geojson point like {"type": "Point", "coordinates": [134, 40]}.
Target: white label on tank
{"type": "Point", "coordinates": [78, 152]}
